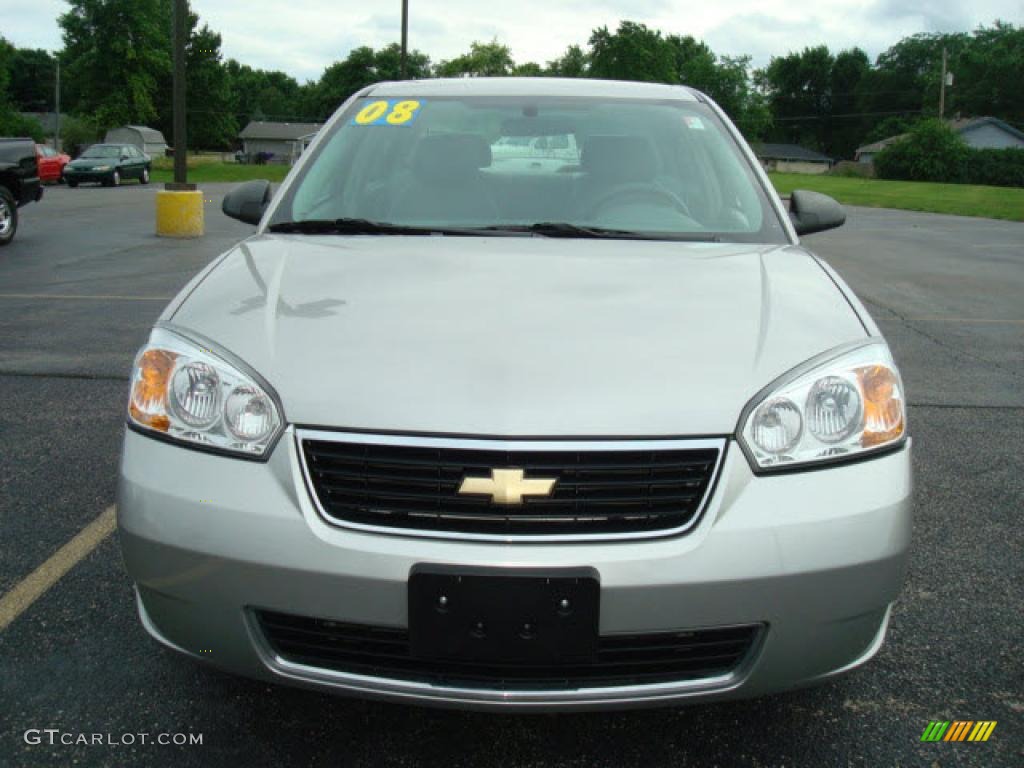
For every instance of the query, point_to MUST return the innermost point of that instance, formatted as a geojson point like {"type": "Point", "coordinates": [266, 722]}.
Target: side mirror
{"type": "Point", "coordinates": [248, 201]}
{"type": "Point", "coordinates": [814, 212]}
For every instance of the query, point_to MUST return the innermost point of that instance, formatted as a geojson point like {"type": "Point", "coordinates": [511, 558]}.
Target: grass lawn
{"type": "Point", "coordinates": [202, 169]}
{"type": "Point", "coordinates": [959, 199]}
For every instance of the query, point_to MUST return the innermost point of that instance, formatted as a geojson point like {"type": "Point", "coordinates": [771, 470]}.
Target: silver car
{"type": "Point", "coordinates": [467, 428]}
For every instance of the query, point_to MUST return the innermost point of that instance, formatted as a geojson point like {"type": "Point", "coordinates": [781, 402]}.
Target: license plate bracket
{"type": "Point", "coordinates": [503, 615]}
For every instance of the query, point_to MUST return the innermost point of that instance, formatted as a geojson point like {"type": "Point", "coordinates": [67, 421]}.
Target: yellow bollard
{"type": "Point", "coordinates": [179, 214]}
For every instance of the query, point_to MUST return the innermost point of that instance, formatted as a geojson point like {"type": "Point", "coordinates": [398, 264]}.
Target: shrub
{"type": "Point", "coordinates": [15, 124]}
{"type": "Point", "coordinates": [932, 151]}
{"type": "Point", "coordinates": [77, 133]}
{"type": "Point", "coordinates": [996, 167]}
{"type": "Point", "coordinates": [848, 169]}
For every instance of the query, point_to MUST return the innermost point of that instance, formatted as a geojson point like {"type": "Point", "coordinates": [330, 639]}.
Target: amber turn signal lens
{"type": "Point", "coordinates": [883, 405]}
{"type": "Point", "coordinates": [148, 405]}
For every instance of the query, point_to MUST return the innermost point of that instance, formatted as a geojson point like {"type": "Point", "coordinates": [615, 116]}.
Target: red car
{"type": "Point", "coordinates": [51, 163]}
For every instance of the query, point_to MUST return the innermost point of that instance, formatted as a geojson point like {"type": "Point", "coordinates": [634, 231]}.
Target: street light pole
{"type": "Point", "coordinates": [178, 97]}
{"type": "Point", "coordinates": [405, 39]}
{"type": "Point", "coordinates": [56, 116]}
{"type": "Point", "coordinates": [942, 87]}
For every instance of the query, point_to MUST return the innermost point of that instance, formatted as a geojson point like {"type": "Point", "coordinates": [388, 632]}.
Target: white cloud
{"type": "Point", "coordinates": [304, 36]}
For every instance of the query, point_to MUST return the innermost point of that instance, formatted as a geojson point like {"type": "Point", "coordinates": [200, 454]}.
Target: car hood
{"type": "Point", "coordinates": [517, 336]}
{"type": "Point", "coordinates": [84, 165]}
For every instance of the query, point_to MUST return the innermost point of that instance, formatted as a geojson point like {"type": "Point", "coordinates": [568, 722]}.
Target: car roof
{"type": "Point", "coordinates": [532, 86]}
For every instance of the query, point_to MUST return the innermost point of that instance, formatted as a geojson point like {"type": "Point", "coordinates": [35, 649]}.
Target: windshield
{"type": "Point", "coordinates": [655, 168]}
{"type": "Point", "coordinates": [102, 151]}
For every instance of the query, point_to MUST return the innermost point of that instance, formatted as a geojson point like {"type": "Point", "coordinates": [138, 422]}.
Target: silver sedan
{"type": "Point", "coordinates": [524, 395]}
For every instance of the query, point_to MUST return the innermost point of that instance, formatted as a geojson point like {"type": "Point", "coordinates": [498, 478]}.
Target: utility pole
{"type": "Point", "coordinates": [179, 205]}
{"type": "Point", "coordinates": [942, 87]}
{"type": "Point", "coordinates": [180, 139]}
{"type": "Point", "coordinates": [405, 39]}
{"type": "Point", "coordinates": [56, 128]}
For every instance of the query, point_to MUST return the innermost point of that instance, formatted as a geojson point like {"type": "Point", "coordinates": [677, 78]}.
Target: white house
{"type": "Point", "coordinates": [283, 141]}
{"type": "Point", "coordinates": [791, 158]}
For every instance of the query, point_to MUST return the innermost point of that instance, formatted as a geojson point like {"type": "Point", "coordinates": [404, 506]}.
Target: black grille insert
{"type": "Point", "coordinates": [641, 659]}
{"type": "Point", "coordinates": [596, 491]}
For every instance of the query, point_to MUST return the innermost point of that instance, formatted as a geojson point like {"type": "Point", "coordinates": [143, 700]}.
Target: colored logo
{"type": "Point", "coordinates": [958, 730]}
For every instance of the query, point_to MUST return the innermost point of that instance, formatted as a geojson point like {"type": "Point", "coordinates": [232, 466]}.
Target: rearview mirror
{"type": "Point", "coordinates": [814, 212]}
{"type": "Point", "coordinates": [248, 201]}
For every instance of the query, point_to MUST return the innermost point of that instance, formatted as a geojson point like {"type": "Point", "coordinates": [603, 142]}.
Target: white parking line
{"type": "Point", "coordinates": [36, 584]}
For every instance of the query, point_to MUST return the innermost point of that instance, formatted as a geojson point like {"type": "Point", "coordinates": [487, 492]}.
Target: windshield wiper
{"type": "Point", "coordinates": [565, 229]}
{"type": "Point", "coordinates": [543, 229]}
{"type": "Point", "coordinates": [370, 227]}
{"type": "Point", "coordinates": [349, 227]}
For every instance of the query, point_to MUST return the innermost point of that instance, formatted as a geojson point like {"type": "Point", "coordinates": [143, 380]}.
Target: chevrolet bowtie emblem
{"type": "Point", "coordinates": [508, 486]}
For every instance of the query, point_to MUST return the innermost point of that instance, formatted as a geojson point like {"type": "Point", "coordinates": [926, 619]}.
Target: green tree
{"type": "Point", "coordinates": [6, 52]}
{"type": "Point", "coordinates": [848, 70]}
{"type": "Point", "coordinates": [210, 121]}
{"type": "Point", "coordinates": [529, 69]}
{"type": "Point", "coordinates": [343, 78]}
{"type": "Point", "coordinates": [725, 79]}
{"type": "Point", "coordinates": [362, 67]}
{"type": "Point", "coordinates": [32, 76]}
{"type": "Point", "coordinates": [989, 71]}
{"type": "Point", "coordinates": [798, 87]}
{"type": "Point", "coordinates": [11, 122]}
{"type": "Point", "coordinates": [256, 94]}
{"type": "Point", "coordinates": [388, 63]}
{"type": "Point", "coordinates": [116, 53]}
{"type": "Point", "coordinates": [909, 73]}
{"type": "Point", "coordinates": [632, 52]}
{"type": "Point", "coordinates": [483, 60]}
{"type": "Point", "coordinates": [573, 63]}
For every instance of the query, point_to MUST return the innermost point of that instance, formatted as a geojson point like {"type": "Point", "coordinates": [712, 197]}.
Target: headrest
{"type": "Point", "coordinates": [619, 158]}
{"type": "Point", "coordinates": [448, 157]}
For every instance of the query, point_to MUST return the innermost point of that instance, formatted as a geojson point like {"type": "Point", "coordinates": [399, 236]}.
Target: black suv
{"type": "Point", "coordinates": [19, 183]}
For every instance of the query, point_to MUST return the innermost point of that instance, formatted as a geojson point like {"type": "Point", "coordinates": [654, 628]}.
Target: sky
{"type": "Point", "coordinates": [302, 37]}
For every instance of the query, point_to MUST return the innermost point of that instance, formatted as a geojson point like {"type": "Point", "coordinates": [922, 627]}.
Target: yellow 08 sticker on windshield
{"type": "Point", "coordinates": [388, 112]}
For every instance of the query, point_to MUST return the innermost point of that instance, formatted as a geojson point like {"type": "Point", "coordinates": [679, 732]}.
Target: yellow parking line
{"type": "Point", "coordinates": [35, 585]}
{"type": "Point", "coordinates": [71, 297]}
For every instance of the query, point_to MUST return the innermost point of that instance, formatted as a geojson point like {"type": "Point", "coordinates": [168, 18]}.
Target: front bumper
{"type": "Point", "coordinates": [86, 176]}
{"type": "Point", "coordinates": [816, 557]}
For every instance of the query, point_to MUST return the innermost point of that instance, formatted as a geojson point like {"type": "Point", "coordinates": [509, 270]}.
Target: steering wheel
{"type": "Point", "coordinates": [639, 192]}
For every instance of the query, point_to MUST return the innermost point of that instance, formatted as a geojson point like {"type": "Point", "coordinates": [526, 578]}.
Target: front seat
{"type": "Point", "coordinates": [613, 164]}
{"type": "Point", "coordinates": [446, 184]}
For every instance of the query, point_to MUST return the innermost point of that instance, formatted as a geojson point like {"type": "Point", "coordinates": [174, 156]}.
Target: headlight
{"type": "Point", "coordinates": [186, 392]}
{"type": "Point", "coordinates": [844, 406]}
{"type": "Point", "coordinates": [101, 168]}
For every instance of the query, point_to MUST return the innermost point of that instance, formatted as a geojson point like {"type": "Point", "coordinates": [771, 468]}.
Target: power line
{"type": "Point", "coordinates": [829, 116]}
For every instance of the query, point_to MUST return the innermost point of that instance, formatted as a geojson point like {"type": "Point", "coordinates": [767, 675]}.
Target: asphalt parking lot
{"type": "Point", "coordinates": [79, 289]}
